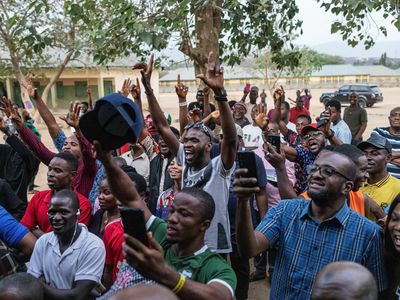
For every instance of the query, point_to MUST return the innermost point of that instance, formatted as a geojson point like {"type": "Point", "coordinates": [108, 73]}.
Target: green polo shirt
{"type": "Point", "coordinates": [202, 266]}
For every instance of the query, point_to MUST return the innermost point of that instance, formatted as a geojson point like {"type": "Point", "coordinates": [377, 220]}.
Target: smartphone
{"type": "Point", "coordinates": [247, 87]}
{"type": "Point", "coordinates": [134, 224]}
{"type": "Point", "coordinates": [247, 160]}
{"type": "Point", "coordinates": [275, 141]}
{"type": "Point", "coordinates": [322, 122]}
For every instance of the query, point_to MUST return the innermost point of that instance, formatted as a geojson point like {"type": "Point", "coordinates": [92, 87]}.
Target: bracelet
{"type": "Point", "coordinates": [148, 92]}
{"type": "Point", "coordinates": [179, 285]}
{"type": "Point", "coordinates": [221, 98]}
{"type": "Point", "coordinates": [182, 104]}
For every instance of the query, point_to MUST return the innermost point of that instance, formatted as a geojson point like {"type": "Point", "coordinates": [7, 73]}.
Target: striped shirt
{"type": "Point", "coordinates": [394, 140]}
{"type": "Point", "coordinates": [306, 245]}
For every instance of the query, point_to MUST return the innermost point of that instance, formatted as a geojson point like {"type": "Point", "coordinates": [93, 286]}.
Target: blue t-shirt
{"type": "Point", "coordinates": [11, 231]}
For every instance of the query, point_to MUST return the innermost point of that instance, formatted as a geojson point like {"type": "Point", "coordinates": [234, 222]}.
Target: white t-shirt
{"type": "Point", "coordinates": [342, 131]}
{"type": "Point", "coordinates": [252, 136]}
{"type": "Point", "coordinates": [218, 236]}
{"type": "Point", "coordinates": [83, 260]}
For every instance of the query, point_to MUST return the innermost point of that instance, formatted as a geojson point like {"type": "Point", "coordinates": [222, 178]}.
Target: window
{"type": "Point", "coordinates": [80, 88]}
{"type": "Point", "coordinates": [60, 89]}
{"type": "Point", "coordinates": [344, 89]}
{"type": "Point", "coordinates": [108, 87]}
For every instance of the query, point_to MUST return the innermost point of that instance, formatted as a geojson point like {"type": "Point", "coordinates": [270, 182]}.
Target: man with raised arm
{"type": "Point", "coordinates": [199, 170]}
{"type": "Point", "coordinates": [75, 143]}
{"type": "Point", "coordinates": [310, 234]}
{"type": "Point", "coordinates": [177, 257]}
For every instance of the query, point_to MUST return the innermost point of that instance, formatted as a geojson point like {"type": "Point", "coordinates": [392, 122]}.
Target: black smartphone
{"type": "Point", "coordinates": [247, 160]}
{"type": "Point", "coordinates": [275, 141]}
{"type": "Point", "coordinates": [134, 224]}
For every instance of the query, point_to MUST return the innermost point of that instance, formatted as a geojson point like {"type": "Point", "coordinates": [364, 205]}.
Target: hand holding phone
{"type": "Point", "coordinates": [134, 224]}
{"type": "Point", "coordinates": [247, 88]}
{"type": "Point", "coordinates": [247, 160]}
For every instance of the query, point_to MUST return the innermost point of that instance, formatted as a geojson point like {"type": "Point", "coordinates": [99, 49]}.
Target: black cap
{"type": "Point", "coordinates": [376, 141]}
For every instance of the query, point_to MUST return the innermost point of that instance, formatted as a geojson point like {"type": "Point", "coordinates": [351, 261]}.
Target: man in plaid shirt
{"type": "Point", "coordinates": [308, 235]}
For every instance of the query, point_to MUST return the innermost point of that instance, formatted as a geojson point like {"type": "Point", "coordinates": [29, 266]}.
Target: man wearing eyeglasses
{"type": "Point", "coordinates": [308, 235]}
{"type": "Point", "coordinates": [304, 154]}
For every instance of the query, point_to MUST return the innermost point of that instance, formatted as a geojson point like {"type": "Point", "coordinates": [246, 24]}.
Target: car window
{"type": "Point", "coordinates": [344, 89]}
{"type": "Point", "coordinates": [375, 89]}
{"type": "Point", "coordinates": [361, 88]}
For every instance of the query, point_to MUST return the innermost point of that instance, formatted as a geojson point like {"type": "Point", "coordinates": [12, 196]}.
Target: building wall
{"type": "Point", "coordinates": [72, 84]}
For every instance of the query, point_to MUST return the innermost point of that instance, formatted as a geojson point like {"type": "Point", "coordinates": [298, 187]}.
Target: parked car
{"type": "Point", "coordinates": [368, 94]}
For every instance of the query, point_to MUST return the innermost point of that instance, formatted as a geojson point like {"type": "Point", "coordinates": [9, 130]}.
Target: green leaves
{"type": "Point", "coordinates": [356, 23]}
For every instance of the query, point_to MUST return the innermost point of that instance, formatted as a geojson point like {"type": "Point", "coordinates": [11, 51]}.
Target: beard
{"type": "Point", "coordinates": [321, 197]}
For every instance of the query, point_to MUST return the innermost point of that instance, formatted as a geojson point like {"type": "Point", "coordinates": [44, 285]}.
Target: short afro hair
{"type": "Point", "coordinates": [206, 202]}
{"type": "Point", "coordinates": [70, 159]}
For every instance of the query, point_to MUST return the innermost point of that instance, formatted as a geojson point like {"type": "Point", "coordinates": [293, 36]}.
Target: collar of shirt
{"type": "Point", "coordinates": [141, 156]}
{"type": "Point", "coordinates": [380, 182]}
{"type": "Point", "coordinates": [341, 216]}
{"type": "Point", "coordinates": [53, 240]}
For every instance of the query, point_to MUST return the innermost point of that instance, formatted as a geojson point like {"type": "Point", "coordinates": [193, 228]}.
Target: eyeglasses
{"type": "Point", "coordinates": [202, 127]}
{"type": "Point", "coordinates": [325, 170]}
{"type": "Point", "coordinates": [312, 134]}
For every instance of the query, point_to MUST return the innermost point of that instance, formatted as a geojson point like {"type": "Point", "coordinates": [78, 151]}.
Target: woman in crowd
{"type": "Point", "coordinates": [392, 250]}
{"type": "Point", "coordinates": [108, 211]}
{"type": "Point", "coordinates": [167, 197]}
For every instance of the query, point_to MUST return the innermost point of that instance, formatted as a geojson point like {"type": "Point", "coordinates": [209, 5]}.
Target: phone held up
{"type": "Point", "coordinates": [134, 224]}
{"type": "Point", "coordinates": [247, 160]}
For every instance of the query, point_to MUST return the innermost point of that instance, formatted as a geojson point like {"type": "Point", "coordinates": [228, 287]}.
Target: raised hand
{"type": "Point", "coordinates": [89, 91]}
{"type": "Point", "coordinates": [244, 187]}
{"type": "Point", "coordinates": [261, 118]}
{"type": "Point", "coordinates": [30, 87]}
{"type": "Point", "coordinates": [125, 87]}
{"type": "Point", "coordinates": [135, 90]}
{"type": "Point", "coordinates": [146, 70]}
{"type": "Point", "coordinates": [214, 77]}
{"type": "Point", "coordinates": [7, 108]}
{"type": "Point", "coordinates": [102, 155]}
{"type": "Point", "coordinates": [273, 157]}
{"type": "Point", "coordinates": [278, 96]}
{"type": "Point", "coordinates": [72, 118]}
{"type": "Point", "coordinates": [181, 89]}
{"type": "Point", "coordinates": [326, 115]}
{"type": "Point", "coordinates": [195, 115]}
{"type": "Point", "coordinates": [263, 96]}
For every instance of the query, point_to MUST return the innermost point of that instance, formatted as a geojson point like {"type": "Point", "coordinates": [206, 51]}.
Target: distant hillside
{"type": "Point", "coordinates": [340, 48]}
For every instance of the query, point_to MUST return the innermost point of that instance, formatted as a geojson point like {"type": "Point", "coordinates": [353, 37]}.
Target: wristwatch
{"type": "Point", "coordinates": [330, 135]}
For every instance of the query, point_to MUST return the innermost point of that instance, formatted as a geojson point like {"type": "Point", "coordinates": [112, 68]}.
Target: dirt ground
{"type": "Point", "coordinates": [377, 116]}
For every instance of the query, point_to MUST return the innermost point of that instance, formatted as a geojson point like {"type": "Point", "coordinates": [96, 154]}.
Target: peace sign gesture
{"type": "Point", "coordinates": [261, 118]}
{"type": "Point", "coordinates": [181, 89]}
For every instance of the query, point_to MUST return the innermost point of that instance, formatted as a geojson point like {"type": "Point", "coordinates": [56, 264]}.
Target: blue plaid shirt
{"type": "Point", "coordinates": [94, 192]}
{"type": "Point", "coordinates": [305, 246]}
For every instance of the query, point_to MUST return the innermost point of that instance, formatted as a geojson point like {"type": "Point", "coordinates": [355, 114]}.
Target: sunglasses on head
{"type": "Point", "coordinates": [200, 126]}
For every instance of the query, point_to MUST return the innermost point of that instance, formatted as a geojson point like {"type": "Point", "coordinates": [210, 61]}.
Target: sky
{"type": "Point", "coordinates": [317, 22]}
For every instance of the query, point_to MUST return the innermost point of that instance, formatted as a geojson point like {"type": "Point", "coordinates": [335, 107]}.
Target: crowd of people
{"type": "Point", "coordinates": [315, 202]}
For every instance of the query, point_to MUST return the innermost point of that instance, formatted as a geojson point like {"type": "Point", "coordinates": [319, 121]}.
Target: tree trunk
{"type": "Point", "coordinates": [53, 80]}
{"type": "Point", "coordinates": [208, 30]}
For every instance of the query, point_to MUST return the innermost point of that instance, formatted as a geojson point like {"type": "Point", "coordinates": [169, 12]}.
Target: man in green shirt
{"type": "Point", "coordinates": [356, 118]}
{"type": "Point", "coordinates": [176, 247]}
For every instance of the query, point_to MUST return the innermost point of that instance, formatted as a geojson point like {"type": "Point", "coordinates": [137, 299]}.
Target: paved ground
{"type": "Point", "coordinates": [377, 117]}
